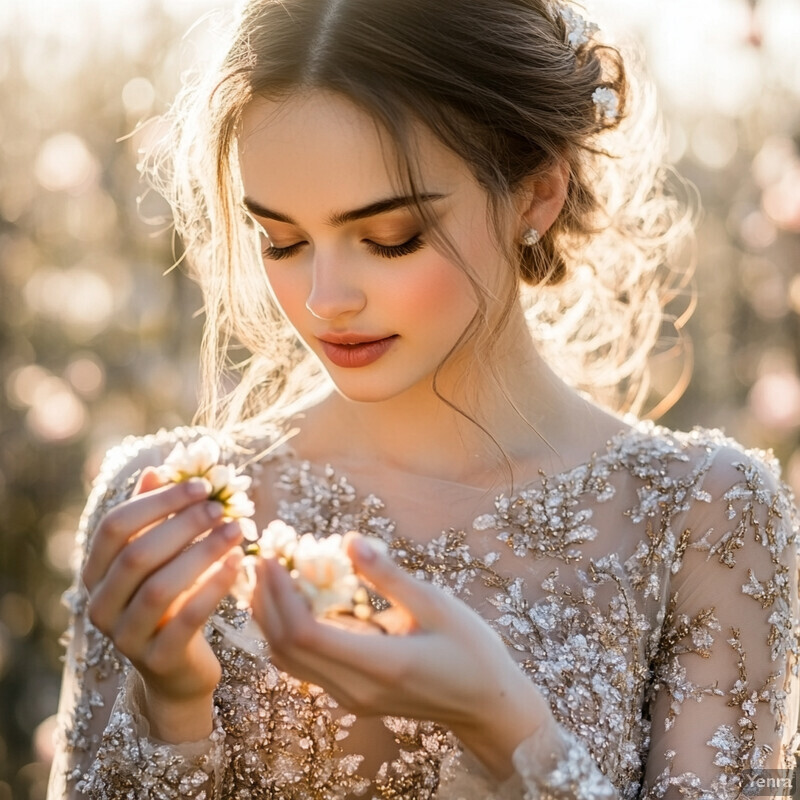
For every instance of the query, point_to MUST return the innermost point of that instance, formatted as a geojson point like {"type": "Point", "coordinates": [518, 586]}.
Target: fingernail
{"type": "Point", "coordinates": [231, 531]}
{"type": "Point", "coordinates": [368, 549]}
{"type": "Point", "coordinates": [199, 487]}
{"type": "Point", "coordinates": [214, 509]}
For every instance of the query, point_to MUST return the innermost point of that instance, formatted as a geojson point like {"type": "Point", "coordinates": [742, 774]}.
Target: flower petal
{"type": "Point", "coordinates": [239, 505]}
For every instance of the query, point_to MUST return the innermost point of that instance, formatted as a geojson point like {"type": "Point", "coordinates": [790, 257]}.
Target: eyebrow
{"type": "Point", "coordinates": [343, 217]}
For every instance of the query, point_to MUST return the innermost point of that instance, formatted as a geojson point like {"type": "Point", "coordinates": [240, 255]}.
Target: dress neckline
{"type": "Point", "coordinates": [631, 430]}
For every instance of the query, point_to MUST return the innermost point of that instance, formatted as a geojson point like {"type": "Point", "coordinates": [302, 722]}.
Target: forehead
{"type": "Point", "coordinates": [320, 146]}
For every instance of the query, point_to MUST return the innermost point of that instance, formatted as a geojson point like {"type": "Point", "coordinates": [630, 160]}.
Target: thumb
{"type": "Point", "coordinates": [425, 603]}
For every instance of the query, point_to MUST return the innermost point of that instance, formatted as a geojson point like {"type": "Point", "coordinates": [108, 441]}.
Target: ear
{"type": "Point", "coordinates": [543, 197]}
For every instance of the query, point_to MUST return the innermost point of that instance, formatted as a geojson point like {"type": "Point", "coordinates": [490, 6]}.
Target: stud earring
{"type": "Point", "coordinates": [531, 237]}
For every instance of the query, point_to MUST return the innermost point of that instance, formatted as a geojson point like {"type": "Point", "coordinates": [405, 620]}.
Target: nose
{"type": "Point", "coordinates": [335, 291]}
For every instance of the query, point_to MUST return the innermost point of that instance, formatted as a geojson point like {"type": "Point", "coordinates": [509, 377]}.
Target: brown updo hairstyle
{"type": "Point", "coordinates": [499, 84]}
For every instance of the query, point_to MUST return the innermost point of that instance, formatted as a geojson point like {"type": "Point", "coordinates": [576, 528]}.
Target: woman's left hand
{"type": "Point", "coordinates": [440, 661]}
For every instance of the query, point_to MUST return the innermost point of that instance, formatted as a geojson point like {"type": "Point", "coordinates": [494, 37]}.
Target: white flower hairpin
{"type": "Point", "coordinates": [607, 102]}
{"type": "Point", "coordinates": [579, 30]}
{"type": "Point", "coordinates": [320, 569]}
{"type": "Point", "coordinates": [200, 459]}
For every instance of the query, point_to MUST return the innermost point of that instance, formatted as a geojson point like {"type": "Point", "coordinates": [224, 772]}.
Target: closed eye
{"type": "Point", "coordinates": [406, 248]}
{"type": "Point", "coordinates": [269, 250]}
{"type": "Point", "coordinates": [277, 253]}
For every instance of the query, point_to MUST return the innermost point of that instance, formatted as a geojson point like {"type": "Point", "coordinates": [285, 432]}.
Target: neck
{"type": "Point", "coordinates": [527, 418]}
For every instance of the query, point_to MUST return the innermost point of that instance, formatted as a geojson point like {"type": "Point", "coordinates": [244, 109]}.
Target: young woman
{"type": "Point", "coordinates": [439, 229]}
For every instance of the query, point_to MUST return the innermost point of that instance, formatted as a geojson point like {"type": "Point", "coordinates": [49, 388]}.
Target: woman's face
{"type": "Point", "coordinates": [347, 258]}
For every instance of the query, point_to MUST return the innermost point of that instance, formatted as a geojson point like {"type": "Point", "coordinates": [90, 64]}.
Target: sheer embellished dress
{"type": "Point", "coordinates": [649, 593]}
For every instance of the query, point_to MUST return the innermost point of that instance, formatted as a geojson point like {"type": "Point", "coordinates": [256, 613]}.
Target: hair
{"type": "Point", "coordinates": [500, 85]}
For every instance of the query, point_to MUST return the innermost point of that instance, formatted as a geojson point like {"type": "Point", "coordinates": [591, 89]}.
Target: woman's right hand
{"type": "Point", "coordinates": [158, 566]}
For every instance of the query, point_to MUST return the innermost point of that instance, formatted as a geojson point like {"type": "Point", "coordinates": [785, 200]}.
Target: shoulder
{"type": "Point", "coordinates": [732, 471]}
{"type": "Point", "coordinates": [120, 469]}
{"type": "Point", "coordinates": [123, 462]}
{"type": "Point", "coordinates": [741, 502]}
{"type": "Point", "coordinates": [709, 452]}
{"type": "Point", "coordinates": [134, 453]}
{"type": "Point", "coordinates": [706, 472]}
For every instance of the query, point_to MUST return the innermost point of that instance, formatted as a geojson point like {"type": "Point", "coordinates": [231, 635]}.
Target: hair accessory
{"type": "Point", "coordinates": [579, 30]}
{"type": "Point", "coordinates": [531, 237]}
{"type": "Point", "coordinates": [607, 102]}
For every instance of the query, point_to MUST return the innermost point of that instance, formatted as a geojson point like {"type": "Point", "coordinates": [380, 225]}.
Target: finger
{"type": "Point", "coordinates": [272, 579]}
{"type": "Point", "coordinates": [196, 606]}
{"type": "Point", "coordinates": [149, 481]}
{"type": "Point", "coordinates": [155, 601]}
{"type": "Point", "coordinates": [144, 555]}
{"type": "Point", "coordinates": [133, 516]}
{"type": "Point", "coordinates": [286, 620]}
{"type": "Point", "coordinates": [305, 646]}
{"type": "Point", "coordinates": [424, 602]}
{"type": "Point", "coordinates": [394, 620]}
{"type": "Point", "coordinates": [282, 613]}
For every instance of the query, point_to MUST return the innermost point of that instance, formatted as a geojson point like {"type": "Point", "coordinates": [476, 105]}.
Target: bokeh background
{"type": "Point", "coordinates": [98, 339]}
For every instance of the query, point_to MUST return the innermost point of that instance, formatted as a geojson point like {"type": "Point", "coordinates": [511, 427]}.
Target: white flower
{"type": "Point", "coordinates": [321, 561]}
{"type": "Point", "coordinates": [278, 539]}
{"type": "Point", "coordinates": [579, 31]}
{"type": "Point", "coordinates": [607, 102]}
{"type": "Point", "coordinates": [191, 461]}
{"type": "Point", "coordinates": [238, 505]}
{"type": "Point", "coordinates": [324, 573]}
{"type": "Point", "coordinates": [230, 489]}
{"type": "Point", "coordinates": [336, 597]}
{"type": "Point", "coordinates": [199, 460]}
{"type": "Point", "coordinates": [319, 568]}
{"type": "Point", "coordinates": [225, 481]}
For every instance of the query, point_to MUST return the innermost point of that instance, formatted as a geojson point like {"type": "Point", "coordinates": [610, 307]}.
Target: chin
{"type": "Point", "coordinates": [376, 390]}
{"type": "Point", "coordinates": [365, 394]}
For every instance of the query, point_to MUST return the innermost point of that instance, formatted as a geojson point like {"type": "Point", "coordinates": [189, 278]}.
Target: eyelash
{"type": "Point", "coordinates": [397, 250]}
{"type": "Point", "coordinates": [414, 244]}
{"type": "Point", "coordinates": [279, 253]}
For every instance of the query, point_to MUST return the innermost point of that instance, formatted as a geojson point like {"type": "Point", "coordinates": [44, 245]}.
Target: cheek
{"type": "Point", "coordinates": [288, 290]}
{"type": "Point", "coordinates": [438, 293]}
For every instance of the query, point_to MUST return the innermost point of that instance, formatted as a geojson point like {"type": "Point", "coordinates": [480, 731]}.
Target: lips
{"type": "Point", "coordinates": [351, 351]}
{"type": "Point", "coordinates": [350, 338]}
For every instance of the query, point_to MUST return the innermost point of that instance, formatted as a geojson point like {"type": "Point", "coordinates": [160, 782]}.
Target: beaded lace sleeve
{"type": "Point", "coordinates": [722, 699]}
{"type": "Point", "coordinates": [544, 769]}
{"type": "Point", "coordinates": [726, 674]}
{"type": "Point", "coordinates": [103, 749]}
